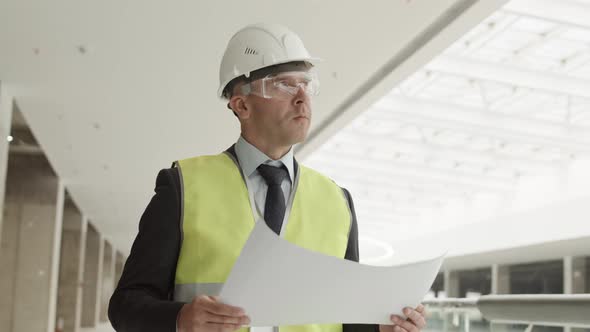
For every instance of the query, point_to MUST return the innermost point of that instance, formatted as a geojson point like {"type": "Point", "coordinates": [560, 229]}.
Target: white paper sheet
{"type": "Point", "coordinates": [278, 283]}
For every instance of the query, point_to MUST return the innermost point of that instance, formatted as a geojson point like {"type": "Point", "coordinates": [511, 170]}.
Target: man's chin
{"type": "Point", "coordinates": [297, 140]}
{"type": "Point", "coordinates": [296, 136]}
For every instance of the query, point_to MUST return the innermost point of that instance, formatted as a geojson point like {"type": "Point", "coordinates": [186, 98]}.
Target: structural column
{"type": "Point", "coordinates": [5, 124]}
{"type": "Point", "coordinates": [500, 279]}
{"type": "Point", "coordinates": [500, 285]}
{"type": "Point", "coordinates": [451, 283]}
{"type": "Point", "coordinates": [30, 245]}
{"type": "Point", "coordinates": [108, 280]}
{"type": "Point", "coordinates": [69, 298]}
{"type": "Point", "coordinates": [92, 271]}
{"type": "Point", "coordinates": [81, 274]}
{"type": "Point", "coordinates": [574, 279]}
{"type": "Point", "coordinates": [451, 321]}
{"type": "Point", "coordinates": [119, 264]}
{"type": "Point", "coordinates": [574, 275]}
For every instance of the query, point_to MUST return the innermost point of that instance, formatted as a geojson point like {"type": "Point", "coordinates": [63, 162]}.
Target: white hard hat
{"type": "Point", "coordinates": [257, 46]}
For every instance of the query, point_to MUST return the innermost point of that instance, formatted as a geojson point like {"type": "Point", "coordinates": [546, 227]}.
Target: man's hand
{"type": "Point", "coordinates": [208, 314]}
{"type": "Point", "coordinates": [416, 321]}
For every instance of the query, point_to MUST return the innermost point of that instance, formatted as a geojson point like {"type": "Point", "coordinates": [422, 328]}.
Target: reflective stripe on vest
{"type": "Point", "coordinates": [186, 292]}
{"type": "Point", "coordinates": [217, 219]}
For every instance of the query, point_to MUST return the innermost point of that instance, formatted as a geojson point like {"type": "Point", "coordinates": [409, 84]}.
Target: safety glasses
{"type": "Point", "coordinates": [283, 85]}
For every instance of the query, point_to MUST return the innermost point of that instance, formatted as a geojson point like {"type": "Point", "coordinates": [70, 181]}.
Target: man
{"type": "Point", "coordinates": [204, 208]}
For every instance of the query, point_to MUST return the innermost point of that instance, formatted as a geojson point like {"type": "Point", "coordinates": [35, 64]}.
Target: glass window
{"type": "Point", "coordinates": [477, 281]}
{"type": "Point", "coordinates": [537, 278]}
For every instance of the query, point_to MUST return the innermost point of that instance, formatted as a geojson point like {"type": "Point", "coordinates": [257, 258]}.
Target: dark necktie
{"type": "Point", "coordinates": [274, 207]}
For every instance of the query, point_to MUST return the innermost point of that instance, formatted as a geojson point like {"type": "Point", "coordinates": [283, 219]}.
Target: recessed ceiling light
{"type": "Point", "coordinates": [9, 138]}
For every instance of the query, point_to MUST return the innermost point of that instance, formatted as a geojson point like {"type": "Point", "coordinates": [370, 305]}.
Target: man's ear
{"type": "Point", "coordinates": [239, 106]}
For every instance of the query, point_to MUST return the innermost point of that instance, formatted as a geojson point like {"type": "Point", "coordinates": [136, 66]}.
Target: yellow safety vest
{"type": "Point", "coordinates": [217, 219]}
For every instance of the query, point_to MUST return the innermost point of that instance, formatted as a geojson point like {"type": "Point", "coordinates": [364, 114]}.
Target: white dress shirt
{"type": "Point", "coordinates": [249, 158]}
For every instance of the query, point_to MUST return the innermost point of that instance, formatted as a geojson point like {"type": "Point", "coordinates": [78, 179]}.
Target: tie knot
{"type": "Point", "coordinates": [273, 175]}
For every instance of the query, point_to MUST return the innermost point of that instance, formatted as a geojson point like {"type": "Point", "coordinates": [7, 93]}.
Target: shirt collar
{"type": "Point", "coordinates": [250, 158]}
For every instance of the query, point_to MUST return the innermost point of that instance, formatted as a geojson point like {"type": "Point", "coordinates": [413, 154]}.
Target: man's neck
{"type": "Point", "coordinates": [273, 151]}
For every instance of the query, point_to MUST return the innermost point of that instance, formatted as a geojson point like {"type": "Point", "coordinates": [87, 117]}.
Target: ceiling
{"type": "Point", "coordinates": [114, 91]}
{"type": "Point", "coordinates": [452, 143]}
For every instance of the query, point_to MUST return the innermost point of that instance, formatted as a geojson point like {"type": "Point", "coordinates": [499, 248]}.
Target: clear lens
{"type": "Point", "coordinates": [284, 85]}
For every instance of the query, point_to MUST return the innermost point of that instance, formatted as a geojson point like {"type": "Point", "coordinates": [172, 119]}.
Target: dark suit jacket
{"type": "Point", "coordinates": [143, 300]}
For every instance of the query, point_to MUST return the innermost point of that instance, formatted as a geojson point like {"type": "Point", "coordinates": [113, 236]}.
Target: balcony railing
{"type": "Point", "coordinates": [570, 311]}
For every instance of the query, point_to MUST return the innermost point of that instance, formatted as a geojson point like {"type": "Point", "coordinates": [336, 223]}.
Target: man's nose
{"type": "Point", "coordinates": [301, 96]}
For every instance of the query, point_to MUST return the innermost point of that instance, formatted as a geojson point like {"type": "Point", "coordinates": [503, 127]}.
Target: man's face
{"type": "Point", "coordinates": [284, 118]}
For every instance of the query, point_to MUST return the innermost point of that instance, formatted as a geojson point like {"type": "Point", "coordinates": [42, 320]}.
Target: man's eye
{"type": "Point", "coordinates": [287, 83]}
